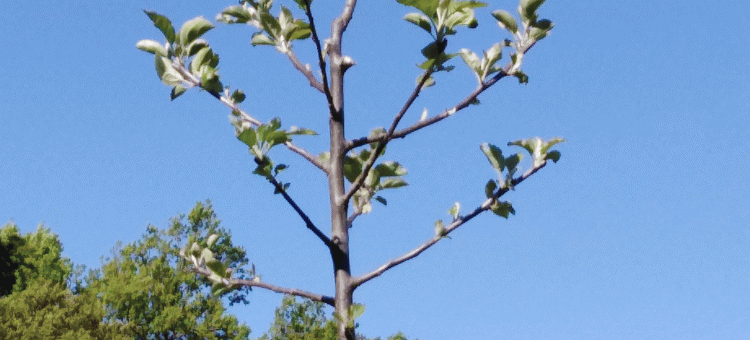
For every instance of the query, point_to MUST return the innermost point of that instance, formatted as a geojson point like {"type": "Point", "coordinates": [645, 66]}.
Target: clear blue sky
{"type": "Point", "coordinates": [640, 232]}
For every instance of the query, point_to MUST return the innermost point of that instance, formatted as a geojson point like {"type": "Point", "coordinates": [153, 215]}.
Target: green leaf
{"type": "Point", "coordinates": [511, 162]}
{"type": "Point", "coordinates": [279, 168]}
{"type": "Point", "coordinates": [270, 24]}
{"type": "Point", "coordinates": [505, 20]}
{"type": "Point", "coordinates": [551, 143]}
{"type": "Point", "coordinates": [262, 39]}
{"type": "Point", "coordinates": [522, 77]}
{"type": "Point", "coordinates": [248, 136]}
{"type": "Point", "coordinates": [434, 49]}
{"type": "Point", "coordinates": [439, 228]}
{"type": "Point", "coordinates": [207, 255]}
{"type": "Point", "coordinates": [428, 7]}
{"type": "Point", "coordinates": [234, 15]}
{"type": "Point", "coordinates": [553, 155]}
{"type": "Point", "coordinates": [195, 249]}
{"type": "Point", "coordinates": [454, 210]}
{"type": "Point", "coordinates": [194, 29]}
{"type": "Point", "coordinates": [540, 29]}
{"type": "Point", "coordinates": [196, 46]}
{"type": "Point", "coordinates": [420, 20]}
{"type": "Point", "coordinates": [392, 183]}
{"type": "Point", "coordinates": [527, 8]}
{"type": "Point", "coordinates": [538, 148]}
{"type": "Point", "coordinates": [203, 57]}
{"type": "Point", "coordinates": [489, 189]}
{"type": "Point", "coordinates": [472, 60]}
{"type": "Point", "coordinates": [166, 72]}
{"type": "Point", "coordinates": [494, 156]}
{"type": "Point", "coordinates": [212, 239]}
{"type": "Point", "coordinates": [381, 200]}
{"type": "Point", "coordinates": [503, 209]}
{"type": "Point", "coordinates": [390, 168]}
{"type": "Point", "coordinates": [301, 131]}
{"type": "Point", "coordinates": [300, 34]}
{"type": "Point", "coordinates": [493, 55]}
{"type": "Point", "coordinates": [163, 24]}
{"type": "Point", "coordinates": [352, 168]}
{"type": "Point", "coordinates": [152, 47]}
{"type": "Point", "coordinates": [177, 91]}
{"type": "Point", "coordinates": [238, 96]}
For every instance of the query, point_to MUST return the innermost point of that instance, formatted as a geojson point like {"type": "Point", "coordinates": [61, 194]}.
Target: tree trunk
{"type": "Point", "coordinates": [339, 208]}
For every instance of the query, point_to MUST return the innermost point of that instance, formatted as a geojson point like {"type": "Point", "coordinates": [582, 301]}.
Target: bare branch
{"type": "Point", "coordinates": [306, 155]}
{"type": "Point", "coordinates": [257, 283]}
{"type": "Point", "coordinates": [305, 71]}
{"type": "Point", "coordinates": [381, 146]}
{"type": "Point", "coordinates": [486, 205]}
{"type": "Point", "coordinates": [310, 225]}
{"type": "Point", "coordinates": [321, 57]}
{"type": "Point", "coordinates": [445, 114]}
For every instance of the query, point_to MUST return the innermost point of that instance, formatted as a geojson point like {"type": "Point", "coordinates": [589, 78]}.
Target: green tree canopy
{"type": "Point", "coordinates": [37, 303]}
{"type": "Point", "coordinates": [149, 290]}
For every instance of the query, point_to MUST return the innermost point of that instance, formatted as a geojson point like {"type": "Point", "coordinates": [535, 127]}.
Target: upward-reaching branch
{"type": "Point", "coordinates": [381, 146]}
{"type": "Point", "coordinates": [257, 283]}
{"type": "Point", "coordinates": [446, 113]}
{"type": "Point", "coordinates": [486, 205]}
{"type": "Point", "coordinates": [321, 55]}
{"type": "Point", "coordinates": [310, 225]}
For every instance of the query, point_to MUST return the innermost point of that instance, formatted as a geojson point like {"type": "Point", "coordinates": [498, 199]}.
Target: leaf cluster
{"type": "Point", "coordinates": [506, 167]}
{"type": "Point", "coordinates": [386, 175]}
{"type": "Point", "coordinates": [278, 31]}
{"type": "Point", "coordinates": [185, 60]}
{"type": "Point", "coordinates": [260, 140]}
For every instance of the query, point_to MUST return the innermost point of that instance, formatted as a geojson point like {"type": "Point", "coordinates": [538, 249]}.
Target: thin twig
{"type": "Point", "coordinates": [486, 205]}
{"type": "Point", "coordinates": [321, 56]}
{"type": "Point", "coordinates": [310, 225]}
{"type": "Point", "coordinates": [257, 283]}
{"type": "Point", "coordinates": [305, 71]}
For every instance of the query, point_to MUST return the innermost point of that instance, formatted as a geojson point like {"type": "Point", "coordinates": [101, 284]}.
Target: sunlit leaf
{"type": "Point", "coordinates": [262, 39]}
{"type": "Point", "coordinates": [505, 20]}
{"type": "Point", "coordinates": [503, 209]}
{"type": "Point", "coordinates": [392, 183]}
{"type": "Point", "coordinates": [194, 29]}
{"type": "Point", "coordinates": [420, 20]}
{"type": "Point", "coordinates": [152, 47]}
{"type": "Point", "coordinates": [212, 239]}
{"type": "Point", "coordinates": [163, 24]}
{"type": "Point", "coordinates": [489, 189]}
{"type": "Point", "coordinates": [454, 210]}
{"type": "Point", "coordinates": [428, 7]}
{"type": "Point", "coordinates": [177, 91]}
{"type": "Point", "coordinates": [494, 156]}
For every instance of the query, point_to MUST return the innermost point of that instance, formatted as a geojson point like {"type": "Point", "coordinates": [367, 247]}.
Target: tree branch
{"type": "Point", "coordinates": [446, 113]}
{"type": "Point", "coordinates": [257, 283]}
{"type": "Point", "coordinates": [486, 205]}
{"type": "Point", "coordinates": [381, 145]}
{"type": "Point", "coordinates": [321, 56]}
{"type": "Point", "coordinates": [310, 225]}
{"type": "Point", "coordinates": [305, 71]}
{"type": "Point", "coordinates": [193, 81]}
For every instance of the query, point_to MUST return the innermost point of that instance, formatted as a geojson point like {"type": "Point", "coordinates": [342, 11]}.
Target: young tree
{"type": "Point", "coordinates": [186, 61]}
